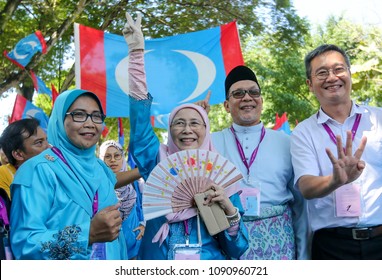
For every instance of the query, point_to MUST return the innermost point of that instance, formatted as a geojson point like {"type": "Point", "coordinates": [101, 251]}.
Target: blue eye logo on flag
{"type": "Point", "coordinates": [26, 48]}
{"type": "Point", "coordinates": [179, 69]}
{"type": "Point", "coordinates": [24, 109]}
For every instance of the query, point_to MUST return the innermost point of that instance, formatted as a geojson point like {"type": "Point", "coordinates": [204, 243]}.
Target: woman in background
{"type": "Point", "coordinates": [133, 226]}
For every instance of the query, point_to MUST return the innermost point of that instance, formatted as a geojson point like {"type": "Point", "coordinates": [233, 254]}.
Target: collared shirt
{"type": "Point", "coordinates": [272, 166]}
{"type": "Point", "coordinates": [272, 171]}
{"type": "Point", "coordinates": [308, 142]}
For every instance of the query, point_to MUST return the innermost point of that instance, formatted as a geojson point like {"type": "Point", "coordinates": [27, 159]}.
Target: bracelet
{"type": "Point", "coordinates": [234, 215]}
{"type": "Point", "coordinates": [235, 218]}
{"type": "Point", "coordinates": [234, 222]}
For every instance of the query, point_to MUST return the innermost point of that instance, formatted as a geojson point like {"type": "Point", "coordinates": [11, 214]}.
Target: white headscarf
{"type": "Point", "coordinates": [126, 194]}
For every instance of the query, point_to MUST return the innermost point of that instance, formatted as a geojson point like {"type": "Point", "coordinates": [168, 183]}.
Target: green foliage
{"type": "Point", "coordinates": [274, 43]}
{"type": "Point", "coordinates": [364, 48]}
{"type": "Point", "coordinates": [219, 118]}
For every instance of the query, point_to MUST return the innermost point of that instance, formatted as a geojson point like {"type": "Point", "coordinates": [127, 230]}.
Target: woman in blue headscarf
{"type": "Point", "coordinates": [64, 205]}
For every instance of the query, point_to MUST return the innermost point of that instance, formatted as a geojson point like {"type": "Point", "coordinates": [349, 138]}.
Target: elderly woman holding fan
{"type": "Point", "coordinates": [178, 234]}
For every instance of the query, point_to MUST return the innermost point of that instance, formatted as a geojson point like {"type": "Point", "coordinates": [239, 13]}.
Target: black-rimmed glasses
{"type": "Point", "coordinates": [240, 93]}
{"type": "Point", "coordinates": [79, 116]}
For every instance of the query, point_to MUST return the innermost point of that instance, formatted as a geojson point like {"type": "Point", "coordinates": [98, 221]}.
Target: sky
{"type": "Point", "coordinates": [360, 11]}
{"type": "Point", "coordinates": [367, 12]}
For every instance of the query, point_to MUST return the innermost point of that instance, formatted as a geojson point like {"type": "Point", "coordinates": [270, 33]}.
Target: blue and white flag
{"type": "Point", "coordinates": [26, 48]}
{"type": "Point", "coordinates": [179, 69]}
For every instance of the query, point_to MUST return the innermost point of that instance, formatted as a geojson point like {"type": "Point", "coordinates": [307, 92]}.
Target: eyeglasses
{"type": "Point", "coordinates": [82, 117]}
{"type": "Point", "coordinates": [338, 71]}
{"type": "Point", "coordinates": [240, 93]}
{"type": "Point", "coordinates": [181, 124]}
{"type": "Point", "coordinates": [115, 156]}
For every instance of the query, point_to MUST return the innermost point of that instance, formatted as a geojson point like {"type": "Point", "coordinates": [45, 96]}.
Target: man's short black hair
{"type": "Point", "coordinates": [12, 137]}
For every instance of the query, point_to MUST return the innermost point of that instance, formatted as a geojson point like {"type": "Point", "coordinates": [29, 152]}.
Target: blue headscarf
{"type": "Point", "coordinates": [84, 174]}
{"type": "Point", "coordinates": [70, 188]}
{"type": "Point", "coordinates": [56, 130]}
{"type": "Point", "coordinates": [90, 171]}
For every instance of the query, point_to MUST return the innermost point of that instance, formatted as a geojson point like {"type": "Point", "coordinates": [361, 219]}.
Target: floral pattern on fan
{"type": "Point", "coordinates": [175, 180]}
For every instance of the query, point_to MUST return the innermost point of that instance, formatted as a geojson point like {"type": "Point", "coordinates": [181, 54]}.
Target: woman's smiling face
{"type": "Point", "coordinates": [188, 129]}
{"type": "Point", "coordinates": [83, 134]}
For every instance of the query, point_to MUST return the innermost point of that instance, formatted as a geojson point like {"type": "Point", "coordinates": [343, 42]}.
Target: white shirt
{"type": "Point", "coordinates": [272, 168]}
{"type": "Point", "coordinates": [308, 142]}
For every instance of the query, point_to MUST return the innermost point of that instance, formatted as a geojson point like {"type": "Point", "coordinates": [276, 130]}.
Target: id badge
{"type": "Point", "coordinates": [98, 251]}
{"type": "Point", "coordinates": [187, 252]}
{"type": "Point", "coordinates": [250, 199]}
{"type": "Point", "coordinates": [348, 200]}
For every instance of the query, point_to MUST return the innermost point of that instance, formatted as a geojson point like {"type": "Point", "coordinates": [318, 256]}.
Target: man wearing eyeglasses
{"type": "Point", "coordinates": [334, 168]}
{"type": "Point", "coordinates": [274, 210]}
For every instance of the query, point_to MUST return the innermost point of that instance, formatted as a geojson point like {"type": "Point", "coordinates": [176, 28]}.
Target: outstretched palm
{"type": "Point", "coordinates": [347, 167]}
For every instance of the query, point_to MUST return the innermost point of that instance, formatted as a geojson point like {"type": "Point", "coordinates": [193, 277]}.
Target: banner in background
{"type": "Point", "coordinates": [23, 109]}
{"type": "Point", "coordinates": [179, 68]}
{"type": "Point", "coordinates": [282, 123]}
{"type": "Point", "coordinates": [26, 48]}
{"type": "Point", "coordinates": [39, 85]}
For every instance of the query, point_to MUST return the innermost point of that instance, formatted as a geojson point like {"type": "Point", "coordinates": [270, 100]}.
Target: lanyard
{"type": "Point", "coordinates": [95, 203]}
{"type": "Point", "coordinates": [241, 151]}
{"type": "Point", "coordinates": [61, 156]}
{"type": "Point", "coordinates": [187, 231]}
{"type": "Point", "coordinates": [353, 130]}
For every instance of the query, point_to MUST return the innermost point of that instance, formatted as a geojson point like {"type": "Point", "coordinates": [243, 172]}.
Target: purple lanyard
{"type": "Point", "coordinates": [241, 151]}
{"type": "Point", "coordinates": [353, 130]}
{"type": "Point", "coordinates": [3, 212]}
{"type": "Point", "coordinates": [186, 231]}
{"type": "Point", "coordinates": [61, 156]}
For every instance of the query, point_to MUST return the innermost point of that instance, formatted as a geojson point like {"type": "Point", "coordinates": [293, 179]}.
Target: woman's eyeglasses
{"type": "Point", "coordinates": [79, 116]}
{"type": "Point", "coordinates": [181, 124]}
{"type": "Point", "coordinates": [115, 156]}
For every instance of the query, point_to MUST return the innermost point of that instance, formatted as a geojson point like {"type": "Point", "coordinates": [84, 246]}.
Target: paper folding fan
{"type": "Point", "coordinates": [175, 180]}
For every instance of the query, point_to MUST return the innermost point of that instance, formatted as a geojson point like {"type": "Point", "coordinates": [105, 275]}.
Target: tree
{"type": "Point", "coordinates": [160, 18]}
{"type": "Point", "coordinates": [364, 47]}
{"type": "Point", "coordinates": [279, 65]}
